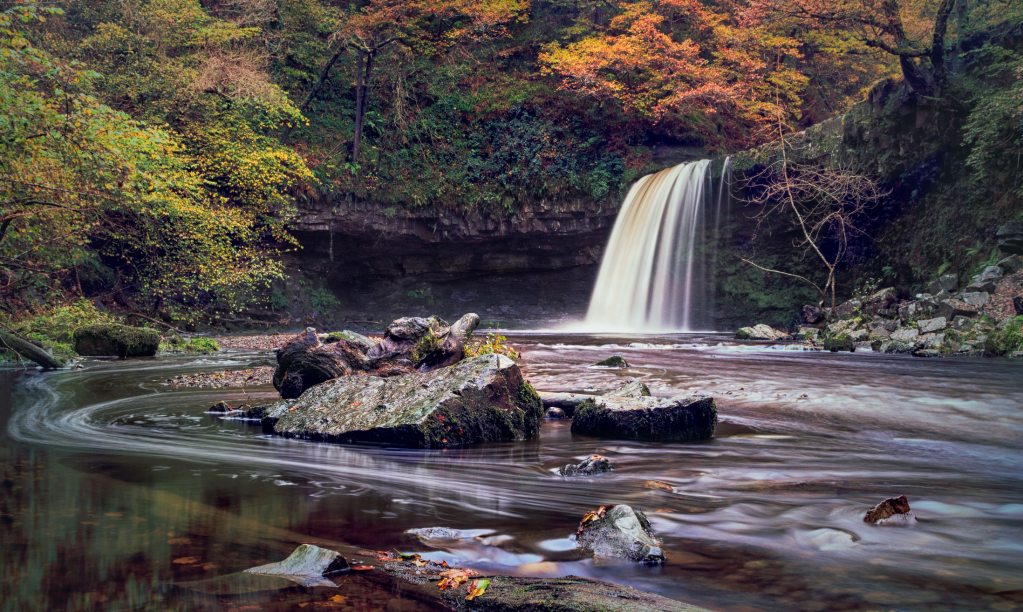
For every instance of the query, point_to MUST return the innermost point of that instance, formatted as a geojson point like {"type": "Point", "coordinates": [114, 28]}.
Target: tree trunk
{"type": "Point", "coordinates": [360, 109]}
{"type": "Point", "coordinates": [938, 41]}
{"type": "Point", "coordinates": [323, 79]}
{"type": "Point", "coordinates": [27, 350]}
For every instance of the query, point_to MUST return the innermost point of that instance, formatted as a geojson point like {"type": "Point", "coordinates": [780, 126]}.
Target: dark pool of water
{"type": "Point", "coordinates": [118, 492]}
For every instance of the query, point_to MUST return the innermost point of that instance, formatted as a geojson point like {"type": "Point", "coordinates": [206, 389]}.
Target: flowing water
{"type": "Point", "coordinates": [653, 276]}
{"type": "Point", "coordinates": [117, 490]}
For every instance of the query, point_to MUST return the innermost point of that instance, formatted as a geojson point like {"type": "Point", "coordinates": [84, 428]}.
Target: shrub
{"type": "Point", "coordinates": [492, 343]}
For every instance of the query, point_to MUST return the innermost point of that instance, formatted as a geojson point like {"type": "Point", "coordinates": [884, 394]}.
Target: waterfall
{"type": "Point", "coordinates": [654, 277]}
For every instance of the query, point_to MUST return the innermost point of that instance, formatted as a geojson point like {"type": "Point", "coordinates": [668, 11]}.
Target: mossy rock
{"type": "Point", "coordinates": [116, 341]}
{"type": "Point", "coordinates": [482, 399]}
{"type": "Point", "coordinates": [615, 361]}
{"type": "Point", "coordinates": [647, 418]}
{"type": "Point", "coordinates": [347, 334]}
{"type": "Point", "coordinates": [838, 342]}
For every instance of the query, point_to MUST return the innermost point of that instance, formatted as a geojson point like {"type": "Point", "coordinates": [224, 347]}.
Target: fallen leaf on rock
{"type": "Point", "coordinates": [455, 577]}
{"type": "Point", "coordinates": [657, 484]}
{"type": "Point", "coordinates": [339, 599]}
{"type": "Point", "coordinates": [592, 516]}
{"type": "Point", "coordinates": [292, 408]}
{"type": "Point", "coordinates": [477, 588]}
{"type": "Point", "coordinates": [362, 567]}
{"type": "Point", "coordinates": [186, 560]}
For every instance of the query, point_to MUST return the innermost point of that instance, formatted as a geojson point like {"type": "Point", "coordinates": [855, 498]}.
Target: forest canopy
{"type": "Point", "coordinates": [158, 146]}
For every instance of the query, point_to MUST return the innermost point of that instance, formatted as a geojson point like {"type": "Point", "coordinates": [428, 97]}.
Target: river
{"type": "Point", "coordinates": [118, 490]}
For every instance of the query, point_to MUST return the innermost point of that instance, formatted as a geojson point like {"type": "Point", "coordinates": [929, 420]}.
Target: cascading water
{"type": "Point", "coordinates": [654, 277]}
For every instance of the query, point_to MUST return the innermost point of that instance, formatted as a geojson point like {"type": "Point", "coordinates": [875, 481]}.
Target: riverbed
{"type": "Point", "coordinates": [119, 492]}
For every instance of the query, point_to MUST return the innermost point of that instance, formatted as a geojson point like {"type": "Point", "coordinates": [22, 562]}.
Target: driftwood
{"type": "Point", "coordinates": [29, 351]}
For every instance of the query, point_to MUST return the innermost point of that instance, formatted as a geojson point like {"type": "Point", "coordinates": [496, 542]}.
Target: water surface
{"type": "Point", "coordinates": [118, 490]}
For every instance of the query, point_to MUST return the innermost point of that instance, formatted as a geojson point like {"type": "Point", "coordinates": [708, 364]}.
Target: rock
{"type": "Point", "coordinates": [446, 533]}
{"type": "Point", "coordinates": [892, 511]}
{"type": "Point", "coordinates": [555, 414]}
{"type": "Point", "coordinates": [962, 324]}
{"type": "Point", "coordinates": [451, 348]}
{"type": "Point", "coordinates": [594, 464]}
{"type": "Point", "coordinates": [880, 301]}
{"type": "Point", "coordinates": [362, 341]}
{"type": "Point", "coordinates": [807, 333]}
{"type": "Point", "coordinates": [221, 407]}
{"type": "Point", "coordinates": [977, 299]}
{"type": "Point", "coordinates": [1017, 304]}
{"type": "Point", "coordinates": [838, 342]}
{"type": "Point", "coordinates": [614, 361]}
{"type": "Point", "coordinates": [845, 310]}
{"type": "Point", "coordinates": [568, 402]}
{"type": "Point", "coordinates": [1010, 238]}
{"type": "Point", "coordinates": [947, 282]}
{"type": "Point", "coordinates": [906, 335]}
{"type": "Point", "coordinates": [761, 332]}
{"type": "Point", "coordinates": [633, 388]}
{"type": "Point", "coordinates": [931, 341]}
{"type": "Point", "coordinates": [932, 325]}
{"type": "Point", "coordinates": [116, 341]}
{"type": "Point", "coordinates": [482, 399]}
{"type": "Point", "coordinates": [954, 307]}
{"type": "Point", "coordinates": [1011, 264]}
{"type": "Point", "coordinates": [897, 346]}
{"type": "Point", "coordinates": [812, 314]}
{"type": "Point", "coordinates": [29, 351]}
{"type": "Point", "coordinates": [647, 418]}
{"type": "Point", "coordinates": [307, 560]}
{"type": "Point", "coordinates": [886, 325]}
{"type": "Point", "coordinates": [619, 532]}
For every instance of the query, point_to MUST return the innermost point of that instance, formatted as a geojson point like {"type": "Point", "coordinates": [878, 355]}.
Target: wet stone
{"type": "Point", "coordinates": [647, 418]}
{"type": "Point", "coordinates": [619, 532]}
{"type": "Point", "coordinates": [307, 560]}
{"type": "Point", "coordinates": [594, 464]}
{"type": "Point", "coordinates": [555, 414]}
{"type": "Point", "coordinates": [615, 361]}
{"type": "Point", "coordinates": [761, 332]}
{"type": "Point", "coordinates": [892, 511]}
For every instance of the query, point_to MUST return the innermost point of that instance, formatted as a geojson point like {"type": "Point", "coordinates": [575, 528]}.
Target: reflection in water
{"type": "Point", "coordinates": [116, 487]}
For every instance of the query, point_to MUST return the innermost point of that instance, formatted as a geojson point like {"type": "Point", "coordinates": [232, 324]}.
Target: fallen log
{"type": "Point", "coordinates": [26, 350]}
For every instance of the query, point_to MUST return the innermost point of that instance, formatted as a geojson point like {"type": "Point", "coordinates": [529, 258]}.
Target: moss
{"type": "Point", "coordinates": [426, 345]}
{"type": "Point", "coordinates": [203, 346]}
{"type": "Point", "coordinates": [615, 361]}
{"type": "Point", "coordinates": [838, 342]}
{"type": "Point", "coordinates": [116, 340]}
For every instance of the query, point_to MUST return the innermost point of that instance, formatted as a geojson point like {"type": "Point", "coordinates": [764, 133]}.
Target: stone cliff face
{"type": "Point", "coordinates": [536, 261]}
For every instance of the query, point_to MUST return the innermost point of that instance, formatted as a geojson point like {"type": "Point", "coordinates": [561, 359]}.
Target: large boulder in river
{"type": "Point", "coordinates": [116, 341]}
{"type": "Point", "coordinates": [647, 418]}
{"type": "Point", "coordinates": [482, 399]}
{"type": "Point", "coordinates": [619, 532]}
{"type": "Point", "coordinates": [761, 332]}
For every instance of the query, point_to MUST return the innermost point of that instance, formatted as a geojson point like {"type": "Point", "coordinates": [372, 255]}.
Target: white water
{"type": "Point", "coordinates": [653, 277]}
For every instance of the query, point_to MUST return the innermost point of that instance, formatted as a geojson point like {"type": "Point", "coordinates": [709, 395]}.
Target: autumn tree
{"type": "Point", "coordinates": [424, 27]}
{"type": "Point", "coordinates": [905, 29]}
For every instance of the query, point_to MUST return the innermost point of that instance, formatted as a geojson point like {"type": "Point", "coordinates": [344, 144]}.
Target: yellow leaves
{"type": "Point", "coordinates": [454, 577]}
{"type": "Point", "coordinates": [477, 588]}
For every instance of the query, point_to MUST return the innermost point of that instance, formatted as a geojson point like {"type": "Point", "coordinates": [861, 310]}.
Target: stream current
{"type": "Point", "coordinates": [117, 487]}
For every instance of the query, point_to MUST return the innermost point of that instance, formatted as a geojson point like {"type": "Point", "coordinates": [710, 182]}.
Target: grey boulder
{"type": "Point", "coordinates": [308, 563]}
{"type": "Point", "coordinates": [761, 332]}
{"type": "Point", "coordinates": [619, 532]}
{"type": "Point", "coordinates": [482, 399]}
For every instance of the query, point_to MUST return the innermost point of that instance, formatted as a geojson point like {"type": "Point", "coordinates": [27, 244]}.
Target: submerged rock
{"type": "Point", "coordinates": [221, 407]}
{"type": "Point", "coordinates": [555, 414]}
{"type": "Point", "coordinates": [892, 511]}
{"type": "Point", "coordinates": [594, 464]}
{"type": "Point", "coordinates": [619, 532]}
{"type": "Point", "coordinates": [307, 560]}
{"type": "Point", "coordinates": [761, 332]}
{"type": "Point", "coordinates": [483, 399]}
{"type": "Point", "coordinates": [647, 418]}
{"type": "Point", "coordinates": [116, 341]}
{"type": "Point", "coordinates": [615, 361]}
